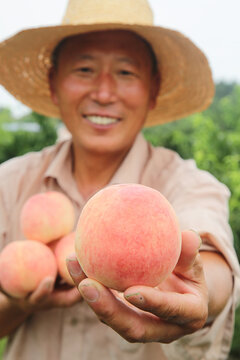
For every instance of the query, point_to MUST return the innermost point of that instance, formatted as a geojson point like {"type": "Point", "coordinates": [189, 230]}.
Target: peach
{"type": "Point", "coordinates": [47, 216]}
{"type": "Point", "coordinates": [128, 234]}
{"type": "Point", "coordinates": [23, 264]}
{"type": "Point", "coordinates": [61, 249]}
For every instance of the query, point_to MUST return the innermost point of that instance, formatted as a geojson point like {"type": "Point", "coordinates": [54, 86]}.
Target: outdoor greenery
{"type": "Point", "coordinates": [212, 138]}
{"type": "Point", "coordinates": [2, 345]}
{"type": "Point", "coordinates": [29, 133]}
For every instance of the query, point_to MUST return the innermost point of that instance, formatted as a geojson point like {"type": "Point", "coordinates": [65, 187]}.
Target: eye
{"type": "Point", "coordinates": [126, 73]}
{"type": "Point", "coordinates": [84, 69]}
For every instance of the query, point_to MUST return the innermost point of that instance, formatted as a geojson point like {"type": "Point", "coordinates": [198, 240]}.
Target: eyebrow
{"type": "Point", "coordinates": [127, 59]}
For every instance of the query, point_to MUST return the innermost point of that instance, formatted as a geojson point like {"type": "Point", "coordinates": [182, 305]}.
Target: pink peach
{"type": "Point", "coordinates": [47, 216]}
{"type": "Point", "coordinates": [128, 234]}
{"type": "Point", "coordinates": [61, 249]}
{"type": "Point", "coordinates": [23, 264]}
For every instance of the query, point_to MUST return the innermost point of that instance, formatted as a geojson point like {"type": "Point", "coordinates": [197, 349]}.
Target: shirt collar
{"type": "Point", "coordinates": [60, 170]}
{"type": "Point", "coordinates": [132, 167]}
{"type": "Point", "coordinates": [130, 170]}
{"type": "Point", "coordinates": [62, 162]}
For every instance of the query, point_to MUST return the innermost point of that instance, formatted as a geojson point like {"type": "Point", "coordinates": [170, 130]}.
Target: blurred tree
{"type": "Point", "coordinates": [212, 139]}
{"type": "Point", "coordinates": [19, 136]}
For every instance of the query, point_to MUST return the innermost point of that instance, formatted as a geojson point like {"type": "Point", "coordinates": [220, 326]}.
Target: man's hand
{"type": "Point", "coordinates": [13, 311]}
{"type": "Point", "coordinates": [46, 296]}
{"type": "Point", "coordinates": [178, 306]}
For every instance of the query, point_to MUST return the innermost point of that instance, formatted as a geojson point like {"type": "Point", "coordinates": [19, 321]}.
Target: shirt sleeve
{"type": "Point", "coordinates": [201, 204]}
{"type": "Point", "coordinates": [3, 219]}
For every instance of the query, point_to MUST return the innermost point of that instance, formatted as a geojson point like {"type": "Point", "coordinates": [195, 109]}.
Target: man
{"type": "Point", "coordinates": [107, 79]}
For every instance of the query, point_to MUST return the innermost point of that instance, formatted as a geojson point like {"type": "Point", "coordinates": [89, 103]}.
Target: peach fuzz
{"type": "Point", "coordinates": [47, 216]}
{"type": "Point", "coordinates": [128, 234]}
{"type": "Point", "coordinates": [23, 264]}
{"type": "Point", "coordinates": [61, 249]}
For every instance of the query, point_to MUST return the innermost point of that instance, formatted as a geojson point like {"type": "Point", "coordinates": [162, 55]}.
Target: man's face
{"type": "Point", "coordinates": [104, 88]}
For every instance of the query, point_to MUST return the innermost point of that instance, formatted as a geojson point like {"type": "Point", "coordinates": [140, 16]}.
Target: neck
{"type": "Point", "coordinates": [93, 171]}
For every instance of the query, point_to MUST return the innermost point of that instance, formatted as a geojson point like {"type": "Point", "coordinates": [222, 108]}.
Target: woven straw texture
{"type": "Point", "coordinates": [186, 80]}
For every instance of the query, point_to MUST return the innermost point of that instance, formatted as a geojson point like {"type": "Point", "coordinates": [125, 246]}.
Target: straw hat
{"type": "Point", "coordinates": [186, 80]}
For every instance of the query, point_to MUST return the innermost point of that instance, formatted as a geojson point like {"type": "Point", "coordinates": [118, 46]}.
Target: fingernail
{"type": "Point", "coordinates": [89, 292]}
{"type": "Point", "coordinates": [74, 267]}
{"type": "Point", "coordinates": [135, 297]}
{"type": "Point", "coordinates": [49, 284]}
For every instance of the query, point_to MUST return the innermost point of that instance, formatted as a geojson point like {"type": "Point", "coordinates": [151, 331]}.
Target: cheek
{"type": "Point", "coordinates": [136, 96]}
{"type": "Point", "coordinates": [71, 90]}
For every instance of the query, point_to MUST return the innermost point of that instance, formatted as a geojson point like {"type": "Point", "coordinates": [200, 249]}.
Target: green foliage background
{"type": "Point", "coordinates": [17, 138]}
{"type": "Point", "coordinates": [212, 138]}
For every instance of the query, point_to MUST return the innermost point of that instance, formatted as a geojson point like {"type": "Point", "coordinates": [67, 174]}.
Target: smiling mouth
{"type": "Point", "coordinates": [101, 120]}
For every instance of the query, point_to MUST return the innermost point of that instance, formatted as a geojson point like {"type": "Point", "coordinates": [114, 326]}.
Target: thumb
{"type": "Point", "coordinates": [74, 269]}
{"type": "Point", "coordinates": [42, 291]}
{"type": "Point", "coordinates": [191, 242]}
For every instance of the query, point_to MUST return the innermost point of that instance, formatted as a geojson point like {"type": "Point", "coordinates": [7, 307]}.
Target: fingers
{"type": "Point", "coordinates": [191, 243]}
{"type": "Point", "coordinates": [130, 322]}
{"type": "Point", "coordinates": [65, 298]}
{"type": "Point", "coordinates": [5, 293]}
{"type": "Point", "coordinates": [180, 309]}
{"type": "Point", "coordinates": [147, 314]}
{"type": "Point", "coordinates": [112, 311]}
{"type": "Point", "coordinates": [46, 296]}
{"type": "Point", "coordinates": [75, 269]}
{"type": "Point", "coordinates": [44, 289]}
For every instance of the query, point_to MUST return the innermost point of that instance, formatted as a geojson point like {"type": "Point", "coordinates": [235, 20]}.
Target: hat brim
{"type": "Point", "coordinates": [186, 80]}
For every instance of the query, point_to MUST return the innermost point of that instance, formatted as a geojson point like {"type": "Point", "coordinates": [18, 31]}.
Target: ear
{"type": "Point", "coordinates": [155, 88]}
{"type": "Point", "coordinates": [52, 85]}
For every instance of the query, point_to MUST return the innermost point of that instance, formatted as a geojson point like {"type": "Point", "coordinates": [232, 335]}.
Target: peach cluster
{"type": "Point", "coordinates": [128, 234]}
{"type": "Point", "coordinates": [47, 221]}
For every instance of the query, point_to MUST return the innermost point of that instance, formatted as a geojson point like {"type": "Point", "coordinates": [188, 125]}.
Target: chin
{"type": "Point", "coordinates": [105, 147]}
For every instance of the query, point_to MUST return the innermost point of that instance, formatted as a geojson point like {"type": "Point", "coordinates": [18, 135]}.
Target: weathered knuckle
{"type": "Point", "coordinates": [201, 321]}
{"type": "Point", "coordinates": [197, 325]}
{"type": "Point", "coordinates": [169, 314]}
{"type": "Point", "coordinates": [177, 334]}
{"type": "Point", "coordinates": [130, 339]}
{"type": "Point", "coordinates": [106, 316]}
{"type": "Point", "coordinates": [137, 335]}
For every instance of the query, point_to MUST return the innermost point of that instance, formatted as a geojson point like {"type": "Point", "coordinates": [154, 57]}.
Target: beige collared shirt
{"type": "Point", "coordinates": [201, 203]}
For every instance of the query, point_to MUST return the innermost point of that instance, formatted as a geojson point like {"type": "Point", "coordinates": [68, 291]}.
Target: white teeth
{"type": "Point", "coordinates": [101, 120]}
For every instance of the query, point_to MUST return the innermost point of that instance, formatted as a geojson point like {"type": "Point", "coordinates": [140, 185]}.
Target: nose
{"type": "Point", "coordinates": [104, 91]}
